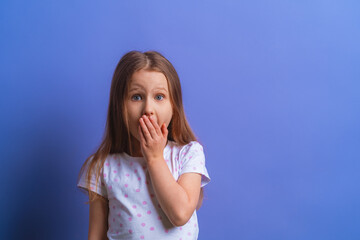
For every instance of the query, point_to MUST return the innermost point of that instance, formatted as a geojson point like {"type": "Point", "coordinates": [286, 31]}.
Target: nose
{"type": "Point", "coordinates": [148, 108]}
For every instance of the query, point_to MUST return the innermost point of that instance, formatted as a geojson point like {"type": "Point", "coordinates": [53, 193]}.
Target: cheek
{"type": "Point", "coordinates": [133, 113]}
{"type": "Point", "coordinates": [133, 119]}
{"type": "Point", "coordinates": [167, 116]}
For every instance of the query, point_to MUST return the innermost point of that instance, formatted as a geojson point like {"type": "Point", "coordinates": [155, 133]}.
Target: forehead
{"type": "Point", "coordinates": [149, 80]}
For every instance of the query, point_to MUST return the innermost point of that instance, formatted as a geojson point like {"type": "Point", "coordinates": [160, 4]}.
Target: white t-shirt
{"type": "Point", "coordinates": [134, 212]}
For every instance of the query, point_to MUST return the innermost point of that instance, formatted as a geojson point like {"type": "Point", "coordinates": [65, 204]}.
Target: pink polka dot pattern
{"type": "Point", "coordinates": [134, 207]}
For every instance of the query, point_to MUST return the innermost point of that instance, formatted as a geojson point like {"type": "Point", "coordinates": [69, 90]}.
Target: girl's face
{"type": "Point", "coordinates": [148, 94]}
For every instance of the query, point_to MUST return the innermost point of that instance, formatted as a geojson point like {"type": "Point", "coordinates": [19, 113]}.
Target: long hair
{"type": "Point", "coordinates": [116, 138]}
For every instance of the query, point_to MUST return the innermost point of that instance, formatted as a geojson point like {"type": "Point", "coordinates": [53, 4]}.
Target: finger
{"type": "Point", "coordinates": [156, 126]}
{"type": "Point", "coordinates": [150, 127]}
{"type": "Point", "coordinates": [145, 129]}
{"type": "Point", "coordinates": [142, 137]}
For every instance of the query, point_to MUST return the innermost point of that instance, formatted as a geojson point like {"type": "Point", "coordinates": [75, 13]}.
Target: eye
{"type": "Point", "coordinates": [136, 95]}
{"type": "Point", "coordinates": [161, 97]}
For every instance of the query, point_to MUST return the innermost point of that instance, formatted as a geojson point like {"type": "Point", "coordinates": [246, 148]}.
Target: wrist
{"type": "Point", "coordinates": [155, 160]}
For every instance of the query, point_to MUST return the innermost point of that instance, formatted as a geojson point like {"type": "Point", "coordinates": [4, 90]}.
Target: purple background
{"type": "Point", "coordinates": [271, 88]}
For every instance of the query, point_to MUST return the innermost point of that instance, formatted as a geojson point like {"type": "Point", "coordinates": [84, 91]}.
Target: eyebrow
{"type": "Point", "coordinates": [158, 88]}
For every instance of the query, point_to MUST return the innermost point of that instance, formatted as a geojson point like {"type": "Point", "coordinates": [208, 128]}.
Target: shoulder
{"type": "Point", "coordinates": [172, 145]}
{"type": "Point", "coordinates": [191, 147]}
{"type": "Point", "coordinates": [184, 152]}
{"type": "Point", "coordinates": [102, 164]}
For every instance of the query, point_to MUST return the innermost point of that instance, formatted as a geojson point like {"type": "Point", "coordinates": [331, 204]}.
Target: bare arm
{"type": "Point", "coordinates": [98, 219]}
{"type": "Point", "coordinates": [177, 199]}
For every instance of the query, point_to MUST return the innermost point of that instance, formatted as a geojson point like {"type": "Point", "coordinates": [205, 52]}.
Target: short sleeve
{"type": "Point", "coordinates": [101, 189]}
{"type": "Point", "coordinates": [192, 159]}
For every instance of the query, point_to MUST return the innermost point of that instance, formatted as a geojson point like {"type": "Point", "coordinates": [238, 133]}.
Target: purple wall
{"type": "Point", "coordinates": [271, 88]}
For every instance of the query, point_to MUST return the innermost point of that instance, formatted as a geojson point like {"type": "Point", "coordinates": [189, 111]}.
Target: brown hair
{"type": "Point", "coordinates": [117, 137]}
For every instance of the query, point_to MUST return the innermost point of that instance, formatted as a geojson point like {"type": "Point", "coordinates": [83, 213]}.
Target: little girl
{"type": "Point", "coordinates": [146, 179]}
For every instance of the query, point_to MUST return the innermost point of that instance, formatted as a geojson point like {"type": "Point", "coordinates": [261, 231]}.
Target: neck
{"type": "Point", "coordinates": [135, 148]}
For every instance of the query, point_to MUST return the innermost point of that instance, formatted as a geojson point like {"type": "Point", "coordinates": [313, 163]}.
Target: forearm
{"type": "Point", "coordinates": [171, 196]}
